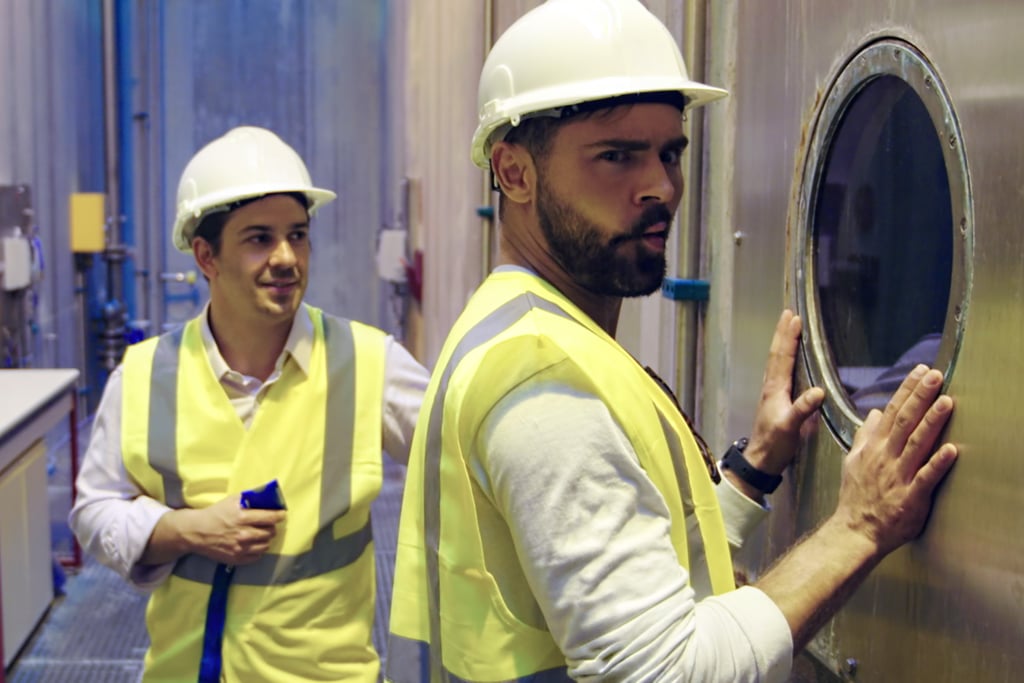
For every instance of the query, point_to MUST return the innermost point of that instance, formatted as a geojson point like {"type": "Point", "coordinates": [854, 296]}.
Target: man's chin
{"type": "Point", "coordinates": [281, 310]}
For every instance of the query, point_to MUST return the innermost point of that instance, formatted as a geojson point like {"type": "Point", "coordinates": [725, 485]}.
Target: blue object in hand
{"type": "Point", "coordinates": [267, 497]}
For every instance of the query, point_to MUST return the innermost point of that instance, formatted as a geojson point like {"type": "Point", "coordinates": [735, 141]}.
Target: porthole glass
{"type": "Point", "coordinates": [885, 232]}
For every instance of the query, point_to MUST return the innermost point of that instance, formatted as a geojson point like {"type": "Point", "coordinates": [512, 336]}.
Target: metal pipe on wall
{"type": "Point", "coordinates": [489, 218]}
{"type": "Point", "coordinates": [688, 332]}
{"type": "Point", "coordinates": [113, 334]}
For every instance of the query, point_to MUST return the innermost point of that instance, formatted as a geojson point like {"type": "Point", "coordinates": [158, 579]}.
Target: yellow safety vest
{"type": "Point", "coordinates": [304, 611]}
{"type": "Point", "coordinates": [449, 619]}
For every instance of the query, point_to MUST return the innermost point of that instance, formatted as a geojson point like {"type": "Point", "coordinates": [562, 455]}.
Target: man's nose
{"type": "Point", "coordinates": [660, 183]}
{"type": "Point", "coordinates": [283, 255]}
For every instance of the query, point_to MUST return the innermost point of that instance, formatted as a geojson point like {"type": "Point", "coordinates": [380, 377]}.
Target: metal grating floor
{"type": "Point", "coordinates": [95, 632]}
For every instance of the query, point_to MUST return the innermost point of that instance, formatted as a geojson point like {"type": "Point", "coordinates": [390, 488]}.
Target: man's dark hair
{"type": "Point", "coordinates": [212, 225]}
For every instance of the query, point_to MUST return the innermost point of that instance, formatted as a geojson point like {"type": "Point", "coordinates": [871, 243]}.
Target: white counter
{"type": "Point", "coordinates": [32, 402]}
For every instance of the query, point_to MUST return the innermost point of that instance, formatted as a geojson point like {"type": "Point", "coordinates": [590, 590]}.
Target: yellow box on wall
{"type": "Point", "coordinates": [88, 219]}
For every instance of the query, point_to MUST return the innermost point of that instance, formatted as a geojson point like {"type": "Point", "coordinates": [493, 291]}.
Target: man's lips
{"type": "Point", "coordinates": [655, 236]}
{"type": "Point", "coordinates": [281, 284]}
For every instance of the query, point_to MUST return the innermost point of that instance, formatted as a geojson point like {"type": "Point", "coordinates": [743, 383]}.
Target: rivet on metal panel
{"type": "Point", "coordinates": [952, 142]}
{"type": "Point", "coordinates": [737, 237]}
{"type": "Point", "coordinates": [849, 669]}
{"type": "Point", "coordinates": [958, 312]}
{"type": "Point", "coordinates": [928, 82]}
{"type": "Point", "coordinates": [963, 226]}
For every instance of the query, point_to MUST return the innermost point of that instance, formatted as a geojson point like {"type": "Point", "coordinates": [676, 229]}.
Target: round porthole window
{"type": "Point", "coordinates": [884, 232]}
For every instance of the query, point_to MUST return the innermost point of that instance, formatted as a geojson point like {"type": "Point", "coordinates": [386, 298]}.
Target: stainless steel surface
{"type": "Point", "coordinates": [315, 73]}
{"type": "Point", "coordinates": [946, 607]}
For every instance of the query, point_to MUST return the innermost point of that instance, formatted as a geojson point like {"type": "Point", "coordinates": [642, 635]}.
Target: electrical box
{"type": "Point", "coordinates": [88, 220]}
{"type": "Point", "coordinates": [16, 262]}
{"type": "Point", "coordinates": [391, 255]}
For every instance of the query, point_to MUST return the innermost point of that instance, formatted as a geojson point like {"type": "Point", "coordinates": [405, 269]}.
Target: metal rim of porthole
{"type": "Point", "coordinates": [883, 57]}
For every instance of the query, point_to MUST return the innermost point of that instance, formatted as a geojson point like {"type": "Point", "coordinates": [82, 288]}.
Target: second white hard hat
{"type": "Point", "coordinates": [245, 162]}
{"type": "Point", "coordinates": [568, 52]}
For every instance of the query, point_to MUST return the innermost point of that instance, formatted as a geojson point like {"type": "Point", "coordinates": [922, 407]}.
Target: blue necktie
{"type": "Point", "coordinates": [268, 497]}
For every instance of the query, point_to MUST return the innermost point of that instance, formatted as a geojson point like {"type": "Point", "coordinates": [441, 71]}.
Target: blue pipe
{"type": "Point", "coordinates": [125, 126]}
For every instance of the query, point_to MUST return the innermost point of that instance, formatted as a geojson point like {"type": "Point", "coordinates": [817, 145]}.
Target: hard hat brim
{"type": "Point", "coordinates": [185, 225]}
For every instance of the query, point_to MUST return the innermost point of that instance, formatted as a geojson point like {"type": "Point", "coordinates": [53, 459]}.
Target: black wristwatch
{"type": "Point", "coordinates": [734, 460]}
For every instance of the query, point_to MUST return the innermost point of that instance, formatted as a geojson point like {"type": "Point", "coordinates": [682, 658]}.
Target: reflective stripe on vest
{"type": "Point", "coordinates": [327, 553]}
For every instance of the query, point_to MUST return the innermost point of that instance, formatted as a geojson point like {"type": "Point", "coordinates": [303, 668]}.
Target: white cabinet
{"type": "Point", "coordinates": [26, 573]}
{"type": "Point", "coordinates": [32, 403]}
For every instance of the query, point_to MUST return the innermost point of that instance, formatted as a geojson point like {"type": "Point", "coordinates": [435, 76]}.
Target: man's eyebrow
{"type": "Point", "coordinates": [638, 145]}
{"type": "Point", "coordinates": [679, 143]}
{"type": "Point", "coordinates": [260, 227]}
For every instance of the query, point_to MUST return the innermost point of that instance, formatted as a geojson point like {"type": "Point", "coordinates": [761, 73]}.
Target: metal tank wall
{"type": "Point", "coordinates": [317, 73]}
{"type": "Point", "coordinates": [51, 140]}
{"type": "Point", "coordinates": [947, 607]}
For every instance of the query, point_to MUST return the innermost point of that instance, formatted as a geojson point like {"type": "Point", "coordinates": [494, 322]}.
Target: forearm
{"type": "Point", "coordinates": [816, 577]}
{"type": "Point", "coordinates": [171, 538]}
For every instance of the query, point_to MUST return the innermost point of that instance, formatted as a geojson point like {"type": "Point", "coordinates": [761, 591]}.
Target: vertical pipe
{"type": "Point", "coordinates": [113, 310]}
{"type": "Point", "coordinates": [488, 217]}
{"type": "Point", "coordinates": [688, 333]}
{"type": "Point", "coordinates": [111, 139]}
{"type": "Point", "coordinates": [124, 126]}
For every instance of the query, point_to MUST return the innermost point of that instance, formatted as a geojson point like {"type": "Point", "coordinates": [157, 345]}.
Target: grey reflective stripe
{"type": "Point", "coordinates": [162, 443]}
{"type": "Point", "coordinates": [327, 553]}
{"type": "Point", "coordinates": [675, 449]}
{"type": "Point", "coordinates": [408, 662]}
{"type": "Point", "coordinates": [487, 329]}
{"type": "Point", "coordinates": [339, 426]}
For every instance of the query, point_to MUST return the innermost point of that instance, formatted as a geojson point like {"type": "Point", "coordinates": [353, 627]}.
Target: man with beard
{"type": "Point", "coordinates": [561, 518]}
{"type": "Point", "coordinates": [259, 389]}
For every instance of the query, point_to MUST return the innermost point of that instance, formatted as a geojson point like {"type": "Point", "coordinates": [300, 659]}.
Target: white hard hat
{"type": "Point", "coordinates": [245, 162]}
{"type": "Point", "coordinates": [568, 52]}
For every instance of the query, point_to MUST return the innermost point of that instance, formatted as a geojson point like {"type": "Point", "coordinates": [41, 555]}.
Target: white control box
{"type": "Point", "coordinates": [391, 255]}
{"type": "Point", "coordinates": [16, 262]}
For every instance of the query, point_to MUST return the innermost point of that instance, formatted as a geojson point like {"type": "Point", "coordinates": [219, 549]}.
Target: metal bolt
{"type": "Point", "coordinates": [952, 142]}
{"type": "Point", "coordinates": [963, 226]}
{"type": "Point", "coordinates": [737, 237]}
{"type": "Point", "coordinates": [850, 667]}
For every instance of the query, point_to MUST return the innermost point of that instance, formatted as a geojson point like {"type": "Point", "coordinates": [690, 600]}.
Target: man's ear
{"type": "Point", "coordinates": [514, 171]}
{"type": "Point", "coordinates": [203, 253]}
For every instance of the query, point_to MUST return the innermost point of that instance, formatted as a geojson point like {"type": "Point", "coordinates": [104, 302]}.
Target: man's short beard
{"type": "Point", "coordinates": [597, 266]}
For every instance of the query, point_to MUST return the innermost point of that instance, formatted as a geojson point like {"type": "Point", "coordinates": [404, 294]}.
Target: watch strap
{"type": "Point", "coordinates": [734, 460]}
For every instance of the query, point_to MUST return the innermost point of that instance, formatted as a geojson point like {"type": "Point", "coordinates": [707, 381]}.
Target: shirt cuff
{"type": "Point", "coordinates": [147, 513]}
{"type": "Point", "coordinates": [740, 513]}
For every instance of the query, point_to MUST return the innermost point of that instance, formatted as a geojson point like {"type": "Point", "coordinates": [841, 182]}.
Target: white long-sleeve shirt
{"type": "Point", "coordinates": [590, 533]}
{"type": "Point", "coordinates": [113, 519]}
